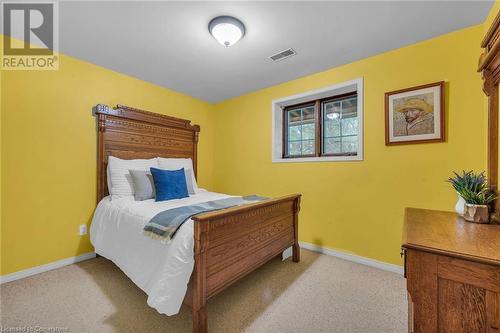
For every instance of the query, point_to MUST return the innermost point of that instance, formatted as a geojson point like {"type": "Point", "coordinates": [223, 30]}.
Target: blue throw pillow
{"type": "Point", "coordinates": [169, 184]}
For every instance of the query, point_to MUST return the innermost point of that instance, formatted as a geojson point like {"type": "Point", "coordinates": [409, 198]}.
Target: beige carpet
{"type": "Point", "coordinates": [320, 294]}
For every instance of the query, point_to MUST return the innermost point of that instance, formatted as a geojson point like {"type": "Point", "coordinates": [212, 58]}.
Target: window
{"type": "Point", "coordinates": [340, 126]}
{"type": "Point", "coordinates": [326, 127]}
{"type": "Point", "coordinates": [322, 125]}
{"type": "Point", "coordinates": [301, 131]}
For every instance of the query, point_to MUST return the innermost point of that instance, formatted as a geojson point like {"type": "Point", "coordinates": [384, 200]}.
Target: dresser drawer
{"type": "Point", "coordinates": [473, 273]}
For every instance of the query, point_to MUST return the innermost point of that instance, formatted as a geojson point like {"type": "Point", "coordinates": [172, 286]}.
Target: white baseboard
{"type": "Point", "coordinates": [44, 268]}
{"type": "Point", "coordinates": [354, 258]}
{"type": "Point", "coordinates": [287, 253]}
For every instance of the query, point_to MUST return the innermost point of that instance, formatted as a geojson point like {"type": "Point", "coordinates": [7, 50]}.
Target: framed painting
{"type": "Point", "coordinates": [415, 115]}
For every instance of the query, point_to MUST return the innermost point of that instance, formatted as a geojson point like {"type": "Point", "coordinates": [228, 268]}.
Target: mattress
{"type": "Point", "coordinates": [161, 270]}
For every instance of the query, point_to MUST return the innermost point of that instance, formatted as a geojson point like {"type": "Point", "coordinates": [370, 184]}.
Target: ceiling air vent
{"type": "Point", "coordinates": [283, 55]}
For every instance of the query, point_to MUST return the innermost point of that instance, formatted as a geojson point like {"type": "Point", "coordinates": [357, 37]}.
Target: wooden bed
{"type": "Point", "coordinates": [228, 244]}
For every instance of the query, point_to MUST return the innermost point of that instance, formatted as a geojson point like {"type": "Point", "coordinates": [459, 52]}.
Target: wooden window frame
{"type": "Point", "coordinates": [318, 117]}
{"type": "Point", "coordinates": [286, 110]}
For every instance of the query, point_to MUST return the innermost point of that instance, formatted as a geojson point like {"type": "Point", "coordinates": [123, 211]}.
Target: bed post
{"type": "Point", "coordinates": [100, 112]}
{"type": "Point", "coordinates": [199, 279]}
{"type": "Point", "coordinates": [295, 246]}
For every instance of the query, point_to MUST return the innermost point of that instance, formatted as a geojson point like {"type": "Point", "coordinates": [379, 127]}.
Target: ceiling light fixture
{"type": "Point", "coordinates": [334, 115]}
{"type": "Point", "coordinates": [227, 30]}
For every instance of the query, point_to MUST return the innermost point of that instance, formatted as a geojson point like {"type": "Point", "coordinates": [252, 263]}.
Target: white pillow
{"type": "Point", "coordinates": [119, 180]}
{"type": "Point", "coordinates": [178, 163]}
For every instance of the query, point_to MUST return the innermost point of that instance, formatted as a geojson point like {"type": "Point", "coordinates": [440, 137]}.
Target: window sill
{"type": "Point", "coordinates": [318, 159]}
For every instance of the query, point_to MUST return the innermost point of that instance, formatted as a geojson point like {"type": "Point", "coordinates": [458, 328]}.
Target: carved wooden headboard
{"type": "Point", "coordinates": [130, 133]}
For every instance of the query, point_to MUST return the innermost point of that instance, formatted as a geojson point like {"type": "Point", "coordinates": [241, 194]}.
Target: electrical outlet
{"type": "Point", "coordinates": [83, 229]}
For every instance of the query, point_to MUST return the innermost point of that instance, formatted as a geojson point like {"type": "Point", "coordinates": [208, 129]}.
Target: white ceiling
{"type": "Point", "coordinates": [168, 44]}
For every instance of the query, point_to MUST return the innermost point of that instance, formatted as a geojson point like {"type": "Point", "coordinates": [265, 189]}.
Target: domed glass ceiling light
{"type": "Point", "coordinates": [227, 30]}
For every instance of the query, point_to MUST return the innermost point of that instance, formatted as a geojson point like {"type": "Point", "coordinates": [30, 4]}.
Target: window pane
{"type": "Point", "coordinates": [350, 107]}
{"type": "Point", "coordinates": [308, 147]}
{"type": "Point", "coordinates": [294, 133]}
{"type": "Point", "coordinates": [294, 116]}
{"type": "Point", "coordinates": [331, 128]}
{"type": "Point", "coordinates": [332, 146]}
{"type": "Point", "coordinates": [301, 128]}
{"type": "Point", "coordinates": [340, 125]}
{"type": "Point", "coordinates": [308, 131]}
{"type": "Point", "coordinates": [294, 148]}
{"type": "Point", "coordinates": [331, 119]}
{"type": "Point", "coordinates": [308, 113]}
{"type": "Point", "coordinates": [349, 126]}
{"type": "Point", "coordinates": [332, 109]}
{"type": "Point", "coordinates": [350, 144]}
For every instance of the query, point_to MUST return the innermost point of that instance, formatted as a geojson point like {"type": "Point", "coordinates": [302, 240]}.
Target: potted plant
{"type": "Point", "coordinates": [474, 196]}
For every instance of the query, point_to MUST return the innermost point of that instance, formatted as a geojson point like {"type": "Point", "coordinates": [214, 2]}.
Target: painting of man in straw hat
{"type": "Point", "coordinates": [415, 114]}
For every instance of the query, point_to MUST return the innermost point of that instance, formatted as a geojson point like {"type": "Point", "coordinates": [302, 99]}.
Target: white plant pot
{"type": "Point", "coordinates": [460, 206]}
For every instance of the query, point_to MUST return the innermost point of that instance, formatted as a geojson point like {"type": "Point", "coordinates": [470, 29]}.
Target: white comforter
{"type": "Point", "coordinates": [161, 270]}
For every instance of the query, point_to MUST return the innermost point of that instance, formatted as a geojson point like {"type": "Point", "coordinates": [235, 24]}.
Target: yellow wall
{"type": "Point", "coordinates": [491, 16]}
{"type": "Point", "coordinates": [49, 153]}
{"type": "Point", "coordinates": [358, 207]}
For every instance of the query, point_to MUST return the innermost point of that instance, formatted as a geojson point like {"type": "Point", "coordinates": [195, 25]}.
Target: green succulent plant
{"type": "Point", "coordinates": [472, 187]}
{"type": "Point", "coordinates": [484, 197]}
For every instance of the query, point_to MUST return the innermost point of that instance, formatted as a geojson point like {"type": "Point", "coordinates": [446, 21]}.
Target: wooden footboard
{"type": "Point", "coordinates": [233, 242]}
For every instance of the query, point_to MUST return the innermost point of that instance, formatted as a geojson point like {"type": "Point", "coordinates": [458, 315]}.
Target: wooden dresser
{"type": "Point", "coordinates": [452, 269]}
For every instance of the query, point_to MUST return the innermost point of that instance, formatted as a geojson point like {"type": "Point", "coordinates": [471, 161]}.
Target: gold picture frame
{"type": "Point", "coordinates": [415, 115]}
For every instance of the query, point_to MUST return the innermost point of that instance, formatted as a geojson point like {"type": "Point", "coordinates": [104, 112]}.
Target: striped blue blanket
{"type": "Point", "coordinates": [164, 225]}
